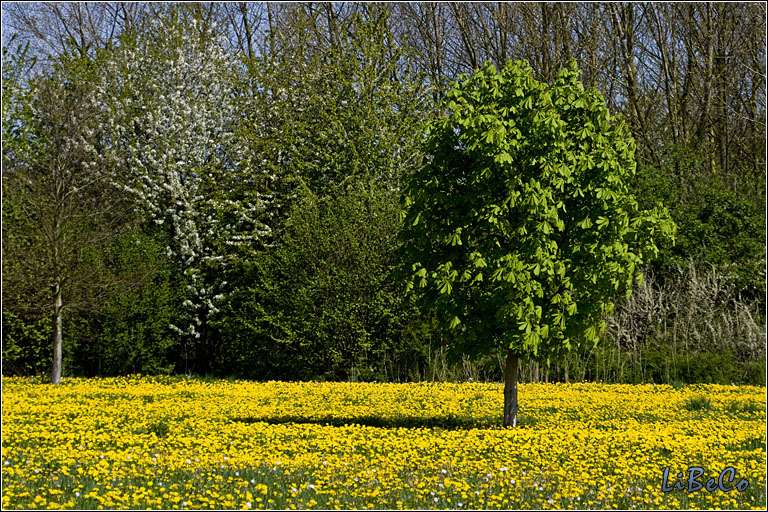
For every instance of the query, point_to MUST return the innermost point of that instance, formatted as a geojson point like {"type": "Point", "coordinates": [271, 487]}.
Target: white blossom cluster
{"type": "Point", "coordinates": [170, 110]}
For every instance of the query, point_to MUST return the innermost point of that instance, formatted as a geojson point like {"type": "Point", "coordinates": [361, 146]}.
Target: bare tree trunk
{"type": "Point", "coordinates": [510, 390]}
{"type": "Point", "coordinates": [462, 16]}
{"type": "Point", "coordinates": [564, 33]}
{"type": "Point", "coordinates": [501, 24]}
{"type": "Point", "coordinates": [435, 40]}
{"type": "Point", "coordinates": [624, 22]}
{"type": "Point", "coordinates": [334, 33]}
{"type": "Point", "coordinates": [247, 28]}
{"type": "Point", "coordinates": [545, 35]}
{"type": "Point", "coordinates": [709, 63]}
{"type": "Point", "coordinates": [272, 29]}
{"type": "Point", "coordinates": [57, 331]}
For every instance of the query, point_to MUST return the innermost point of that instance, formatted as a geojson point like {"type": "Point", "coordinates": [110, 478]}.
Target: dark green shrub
{"type": "Point", "coordinates": [697, 403]}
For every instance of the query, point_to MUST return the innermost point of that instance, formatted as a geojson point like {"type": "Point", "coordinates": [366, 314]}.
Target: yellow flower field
{"type": "Point", "coordinates": [161, 442]}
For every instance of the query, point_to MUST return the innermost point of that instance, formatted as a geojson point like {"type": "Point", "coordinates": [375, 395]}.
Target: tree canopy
{"type": "Point", "coordinates": [520, 228]}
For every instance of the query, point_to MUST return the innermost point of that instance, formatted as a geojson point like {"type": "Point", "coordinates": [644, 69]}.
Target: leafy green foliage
{"type": "Point", "coordinates": [26, 332]}
{"type": "Point", "coordinates": [520, 229]}
{"type": "Point", "coordinates": [58, 200]}
{"type": "Point", "coordinates": [716, 225]}
{"type": "Point", "coordinates": [26, 340]}
{"type": "Point", "coordinates": [323, 114]}
{"type": "Point", "coordinates": [337, 129]}
{"type": "Point", "coordinates": [270, 178]}
{"type": "Point", "coordinates": [323, 302]}
{"type": "Point", "coordinates": [130, 331]}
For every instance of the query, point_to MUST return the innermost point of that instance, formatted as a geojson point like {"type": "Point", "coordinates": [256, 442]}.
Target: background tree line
{"type": "Point", "coordinates": [214, 188]}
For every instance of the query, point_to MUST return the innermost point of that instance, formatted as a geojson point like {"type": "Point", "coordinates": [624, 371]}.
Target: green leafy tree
{"type": "Point", "coordinates": [519, 229]}
{"type": "Point", "coordinates": [336, 127]}
{"type": "Point", "coordinates": [59, 203]}
{"type": "Point", "coordinates": [130, 330]}
{"type": "Point", "coordinates": [322, 115]}
{"type": "Point", "coordinates": [717, 226]}
{"type": "Point", "coordinates": [324, 305]}
{"type": "Point", "coordinates": [26, 331]}
{"type": "Point", "coordinates": [65, 223]}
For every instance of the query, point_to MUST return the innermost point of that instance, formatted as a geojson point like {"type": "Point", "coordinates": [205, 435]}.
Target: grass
{"type": "Point", "coordinates": [176, 443]}
{"type": "Point", "coordinates": [697, 403]}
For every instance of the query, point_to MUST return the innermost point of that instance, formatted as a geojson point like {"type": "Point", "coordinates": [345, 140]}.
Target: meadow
{"type": "Point", "coordinates": [171, 442]}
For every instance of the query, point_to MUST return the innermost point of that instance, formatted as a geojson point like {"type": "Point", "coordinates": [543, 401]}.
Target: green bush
{"type": "Point", "coordinates": [27, 348]}
{"type": "Point", "coordinates": [717, 225]}
{"type": "Point", "coordinates": [321, 304]}
{"type": "Point", "coordinates": [697, 403]}
{"type": "Point", "coordinates": [129, 333]}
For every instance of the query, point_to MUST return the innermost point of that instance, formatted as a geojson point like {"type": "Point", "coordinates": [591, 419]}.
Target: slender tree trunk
{"type": "Point", "coordinates": [272, 29]}
{"type": "Point", "coordinates": [510, 390]}
{"type": "Point", "coordinates": [247, 28]}
{"type": "Point", "coordinates": [334, 34]}
{"type": "Point", "coordinates": [57, 329]}
{"type": "Point", "coordinates": [461, 14]}
{"type": "Point", "coordinates": [501, 25]}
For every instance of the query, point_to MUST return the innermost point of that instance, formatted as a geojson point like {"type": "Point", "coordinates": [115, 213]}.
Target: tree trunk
{"type": "Point", "coordinates": [510, 390]}
{"type": "Point", "coordinates": [247, 28]}
{"type": "Point", "coordinates": [57, 323]}
{"type": "Point", "coordinates": [272, 29]}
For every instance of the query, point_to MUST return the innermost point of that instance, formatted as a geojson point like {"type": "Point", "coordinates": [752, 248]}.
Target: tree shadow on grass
{"type": "Point", "coordinates": [432, 422]}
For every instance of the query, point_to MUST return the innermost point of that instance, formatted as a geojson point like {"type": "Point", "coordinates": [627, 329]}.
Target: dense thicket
{"type": "Point", "coordinates": [213, 188]}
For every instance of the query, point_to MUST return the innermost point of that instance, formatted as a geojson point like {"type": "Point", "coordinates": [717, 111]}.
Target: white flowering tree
{"type": "Point", "coordinates": [169, 104]}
